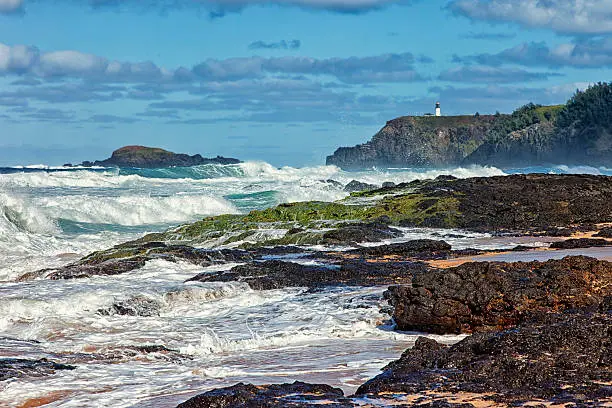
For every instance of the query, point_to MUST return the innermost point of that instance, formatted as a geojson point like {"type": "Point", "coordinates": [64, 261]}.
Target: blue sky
{"type": "Point", "coordinates": [285, 81]}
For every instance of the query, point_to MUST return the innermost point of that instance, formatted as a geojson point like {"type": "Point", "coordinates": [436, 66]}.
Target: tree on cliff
{"type": "Point", "coordinates": [591, 108]}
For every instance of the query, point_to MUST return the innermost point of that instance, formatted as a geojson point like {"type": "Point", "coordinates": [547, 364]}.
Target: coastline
{"type": "Point", "coordinates": [314, 252]}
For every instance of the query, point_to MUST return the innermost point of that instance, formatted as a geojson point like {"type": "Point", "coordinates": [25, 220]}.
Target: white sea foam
{"type": "Point", "coordinates": [133, 210]}
{"type": "Point", "coordinates": [254, 335]}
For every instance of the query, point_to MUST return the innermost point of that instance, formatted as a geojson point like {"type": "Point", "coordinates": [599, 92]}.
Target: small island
{"type": "Point", "coordinates": [154, 157]}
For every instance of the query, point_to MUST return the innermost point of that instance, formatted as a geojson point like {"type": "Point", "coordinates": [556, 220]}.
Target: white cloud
{"type": "Point", "coordinates": [563, 16]}
{"type": "Point", "coordinates": [70, 63]}
{"type": "Point", "coordinates": [10, 6]}
{"type": "Point", "coordinates": [585, 53]}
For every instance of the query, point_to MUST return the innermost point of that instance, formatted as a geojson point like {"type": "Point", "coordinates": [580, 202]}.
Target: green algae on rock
{"type": "Point", "coordinates": [510, 203]}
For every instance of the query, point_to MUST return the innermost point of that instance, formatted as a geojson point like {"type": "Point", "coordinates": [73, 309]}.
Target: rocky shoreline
{"type": "Point", "coordinates": [538, 332]}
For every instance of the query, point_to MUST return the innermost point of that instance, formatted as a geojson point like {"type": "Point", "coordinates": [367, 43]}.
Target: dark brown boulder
{"type": "Point", "coordinates": [605, 233]}
{"type": "Point", "coordinates": [20, 367]}
{"type": "Point", "coordinates": [562, 358]}
{"type": "Point", "coordinates": [294, 395]}
{"type": "Point", "coordinates": [277, 274]}
{"type": "Point", "coordinates": [485, 296]}
{"type": "Point", "coordinates": [575, 243]}
{"type": "Point", "coordinates": [415, 248]}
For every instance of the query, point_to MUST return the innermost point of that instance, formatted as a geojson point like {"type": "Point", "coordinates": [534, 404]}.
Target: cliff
{"type": "Point", "coordinates": [579, 132]}
{"type": "Point", "coordinates": [153, 157]}
{"type": "Point", "coordinates": [418, 142]}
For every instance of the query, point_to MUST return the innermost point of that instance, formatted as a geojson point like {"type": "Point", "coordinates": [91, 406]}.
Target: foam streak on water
{"type": "Point", "coordinates": [221, 333]}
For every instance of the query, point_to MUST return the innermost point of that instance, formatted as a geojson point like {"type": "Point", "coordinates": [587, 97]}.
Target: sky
{"type": "Point", "coordinates": [283, 81]}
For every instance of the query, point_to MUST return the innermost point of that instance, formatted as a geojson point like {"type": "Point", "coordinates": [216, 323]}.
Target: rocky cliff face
{"type": "Point", "coordinates": [418, 142]}
{"type": "Point", "coordinates": [546, 144]}
{"type": "Point", "coordinates": [153, 157]}
{"type": "Point", "coordinates": [579, 132]}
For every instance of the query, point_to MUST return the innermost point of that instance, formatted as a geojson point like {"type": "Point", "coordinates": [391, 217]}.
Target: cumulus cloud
{"type": "Point", "coordinates": [493, 75]}
{"type": "Point", "coordinates": [588, 53]}
{"type": "Point", "coordinates": [279, 45]}
{"type": "Point", "coordinates": [21, 60]}
{"type": "Point", "coordinates": [563, 16]}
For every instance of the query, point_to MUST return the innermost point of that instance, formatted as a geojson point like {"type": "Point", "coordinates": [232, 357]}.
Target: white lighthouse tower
{"type": "Point", "coordinates": [438, 111]}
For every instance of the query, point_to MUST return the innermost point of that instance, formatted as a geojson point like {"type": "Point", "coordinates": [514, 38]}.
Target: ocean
{"type": "Point", "coordinates": [215, 334]}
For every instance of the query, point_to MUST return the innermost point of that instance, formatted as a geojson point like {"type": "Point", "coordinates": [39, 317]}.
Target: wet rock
{"type": "Point", "coordinates": [521, 202]}
{"type": "Point", "coordinates": [485, 296]}
{"type": "Point", "coordinates": [241, 395]}
{"type": "Point", "coordinates": [604, 233]}
{"type": "Point", "coordinates": [518, 203]}
{"type": "Point", "coordinates": [355, 186]}
{"type": "Point", "coordinates": [412, 248]}
{"type": "Point", "coordinates": [134, 255]}
{"type": "Point", "coordinates": [580, 243]}
{"type": "Point", "coordinates": [361, 232]}
{"type": "Point", "coordinates": [277, 274]}
{"type": "Point", "coordinates": [333, 183]}
{"type": "Point", "coordinates": [19, 367]}
{"type": "Point", "coordinates": [109, 267]}
{"type": "Point", "coordinates": [135, 306]}
{"type": "Point", "coordinates": [149, 352]}
{"type": "Point", "coordinates": [562, 358]}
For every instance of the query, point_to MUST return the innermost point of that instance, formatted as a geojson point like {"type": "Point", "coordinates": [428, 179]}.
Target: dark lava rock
{"type": "Point", "coordinates": [110, 267]}
{"type": "Point", "coordinates": [135, 306]}
{"type": "Point", "coordinates": [241, 395]}
{"type": "Point", "coordinates": [127, 257]}
{"type": "Point", "coordinates": [485, 296]}
{"type": "Point", "coordinates": [521, 202]}
{"type": "Point", "coordinates": [563, 358]}
{"type": "Point", "coordinates": [355, 186]}
{"type": "Point", "coordinates": [605, 233]}
{"type": "Point", "coordinates": [277, 274]}
{"type": "Point", "coordinates": [580, 243]}
{"type": "Point", "coordinates": [19, 367]}
{"type": "Point", "coordinates": [361, 232]}
{"type": "Point", "coordinates": [517, 203]}
{"type": "Point", "coordinates": [412, 248]}
{"type": "Point", "coordinates": [150, 351]}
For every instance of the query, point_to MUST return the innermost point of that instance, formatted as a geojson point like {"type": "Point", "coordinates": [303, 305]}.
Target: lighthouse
{"type": "Point", "coordinates": [438, 111]}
